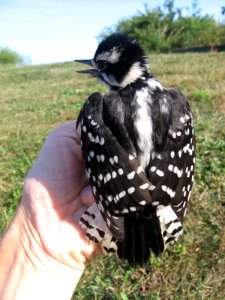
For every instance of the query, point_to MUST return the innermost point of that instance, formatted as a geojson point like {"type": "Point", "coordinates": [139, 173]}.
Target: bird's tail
{"type": "Point", "coordinates": [97, 231]}
{"type": "Point", "coordinates": [142, 234]}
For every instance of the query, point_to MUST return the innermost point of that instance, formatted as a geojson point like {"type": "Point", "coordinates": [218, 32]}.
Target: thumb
{"type": "Point", "coordinates": [87, 197]}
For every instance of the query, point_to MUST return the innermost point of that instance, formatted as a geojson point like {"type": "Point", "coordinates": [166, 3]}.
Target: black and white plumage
{"type": "Point", "coordinates": [139, 148]}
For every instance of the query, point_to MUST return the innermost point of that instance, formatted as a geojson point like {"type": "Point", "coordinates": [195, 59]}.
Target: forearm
{"type": "Point", "coordinates": [27, 272]}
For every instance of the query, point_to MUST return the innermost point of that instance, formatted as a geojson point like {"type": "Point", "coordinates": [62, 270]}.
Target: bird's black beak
{"type": "Point", "coordinates": [89, 62]}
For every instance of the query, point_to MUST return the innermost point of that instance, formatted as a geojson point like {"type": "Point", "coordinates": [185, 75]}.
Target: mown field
{"type": "Point", "coordinates": [35, 99]}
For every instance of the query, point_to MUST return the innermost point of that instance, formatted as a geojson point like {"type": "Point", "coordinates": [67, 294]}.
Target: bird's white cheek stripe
{"type": "Point", "coordinates": [134, 73]}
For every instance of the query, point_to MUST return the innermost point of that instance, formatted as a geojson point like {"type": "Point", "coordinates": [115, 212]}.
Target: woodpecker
{"type": "Point", "coordinates": [138, 143]}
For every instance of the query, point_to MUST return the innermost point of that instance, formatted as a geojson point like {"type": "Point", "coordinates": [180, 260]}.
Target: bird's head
{"type": "Point", "coordinates": [118, 61]}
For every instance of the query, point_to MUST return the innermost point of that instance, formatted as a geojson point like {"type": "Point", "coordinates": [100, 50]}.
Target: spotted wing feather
{"type": "Point", "coordinates": [171, 172]}
{"type": "Point", "coordinates": [118, 182]}
{"type": "Point", "coordinates": [143, 213]}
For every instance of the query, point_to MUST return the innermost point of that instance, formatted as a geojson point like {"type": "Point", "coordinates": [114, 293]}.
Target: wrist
{"type": "Point", "coordinates": [27, 271]}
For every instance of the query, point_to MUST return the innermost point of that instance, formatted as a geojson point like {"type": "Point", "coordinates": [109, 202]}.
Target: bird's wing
{"type": "Point", "coordinates": [118, 182]}
{"type": "Point", "coordinates": [171, 172]}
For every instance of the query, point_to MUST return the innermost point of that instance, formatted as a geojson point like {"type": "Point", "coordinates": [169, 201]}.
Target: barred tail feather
{"type": "Point", "coordinates": [97, 230]}
{"type": "Point", "coordinates": [146, 230]}
{"type": "Point", "coordinates": [171, 226]}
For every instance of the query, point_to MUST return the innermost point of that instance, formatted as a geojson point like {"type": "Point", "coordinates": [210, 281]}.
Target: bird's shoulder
{"type": "Point", "coordinates": [178, 100]}
{"type": "Point", "coordinates": [181, 119]}
{"type": "Point", "coordinates": [108, 97]}
{"type": "Point", "coordinates": [110, 102]}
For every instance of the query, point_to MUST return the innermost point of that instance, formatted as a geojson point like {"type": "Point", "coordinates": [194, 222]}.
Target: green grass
{"type": "Point", "coordinates": [36, 99]}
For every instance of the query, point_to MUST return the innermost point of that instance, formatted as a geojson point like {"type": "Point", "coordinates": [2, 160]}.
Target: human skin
{"type": "Point", "coordinates": [44, 251]}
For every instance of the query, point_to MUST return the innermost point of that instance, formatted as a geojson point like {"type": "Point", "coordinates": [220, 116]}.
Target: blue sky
{"type": "Point", "coordinates": [62, 30]}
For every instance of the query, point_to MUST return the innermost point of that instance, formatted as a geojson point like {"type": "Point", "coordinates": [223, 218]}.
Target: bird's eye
{"type": "Point", "coordinates": [101, 65]}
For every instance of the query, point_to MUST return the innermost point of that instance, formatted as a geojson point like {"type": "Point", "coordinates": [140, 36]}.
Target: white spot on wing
{"type": "Point", "coordinates": [110, 198]}
{"type": "Point", "coordinates": [144, 186]}
{"type": "Point", "coordinates": [182, 120]}
{"type": "Point", "coordinates": [160, 173]}
{"type": "Point", "coordinates": [131, 175]}
{"type": "Point", "coordinates": [133, 208]}
{"type": "Point", "coordinates": [169, 191]}
{"type": "Point", "coordinates": [93, 122]}
{"type": "Point", "coordinates": [170, 167]}
{"type": "Point", "coordinates": [92, 154]}
{"type": "Point", "coordinates": [97, 139]}
{"type": "Point", "coordinates": [91, 138]}
{"type": "Point", "coordinates": [143, 202]}
{"type": "Point", "coordinates": [107, 177]}
{"type": "Point", "coordinates": [111, 160]}
{"type": "Point", "coordinates": [151, 187]}
{"type": "Point", "coordinates": [114, 174]}
{"type": "Point", "coordinates": [102, 141]}
{"type": "Point", "coordinates": [153, 168]}
{"type": "Point", "coordinates": [131, 190]}
{"type": "Point", "coordinates": [115, 158]}
{"type": "Point", "coordinates": [100, 177]}
{"type": "Point", "coordinates": [120, 171]}
{"type": "Point", "coordinates": [180, 153]}
{"type": "Point", "coordinates": [175, 170]}
{"type": "Point", "coordinates": [122, 194]}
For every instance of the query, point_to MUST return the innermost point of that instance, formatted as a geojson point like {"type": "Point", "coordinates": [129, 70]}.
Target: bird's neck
{"type": "Point", "coordinates": [138, 84]}
{"type": "Point", "coordinates": [148, 82]}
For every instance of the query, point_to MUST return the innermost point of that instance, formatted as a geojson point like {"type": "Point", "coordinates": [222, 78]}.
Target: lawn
{"type": "Point", "coordinates": [35, 99]}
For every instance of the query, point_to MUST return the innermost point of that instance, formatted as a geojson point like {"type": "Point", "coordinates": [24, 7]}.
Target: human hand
{"type": "Point", "coordinates": [56, 194]}
{"type": "Point", "coordinates": [44, 250]}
